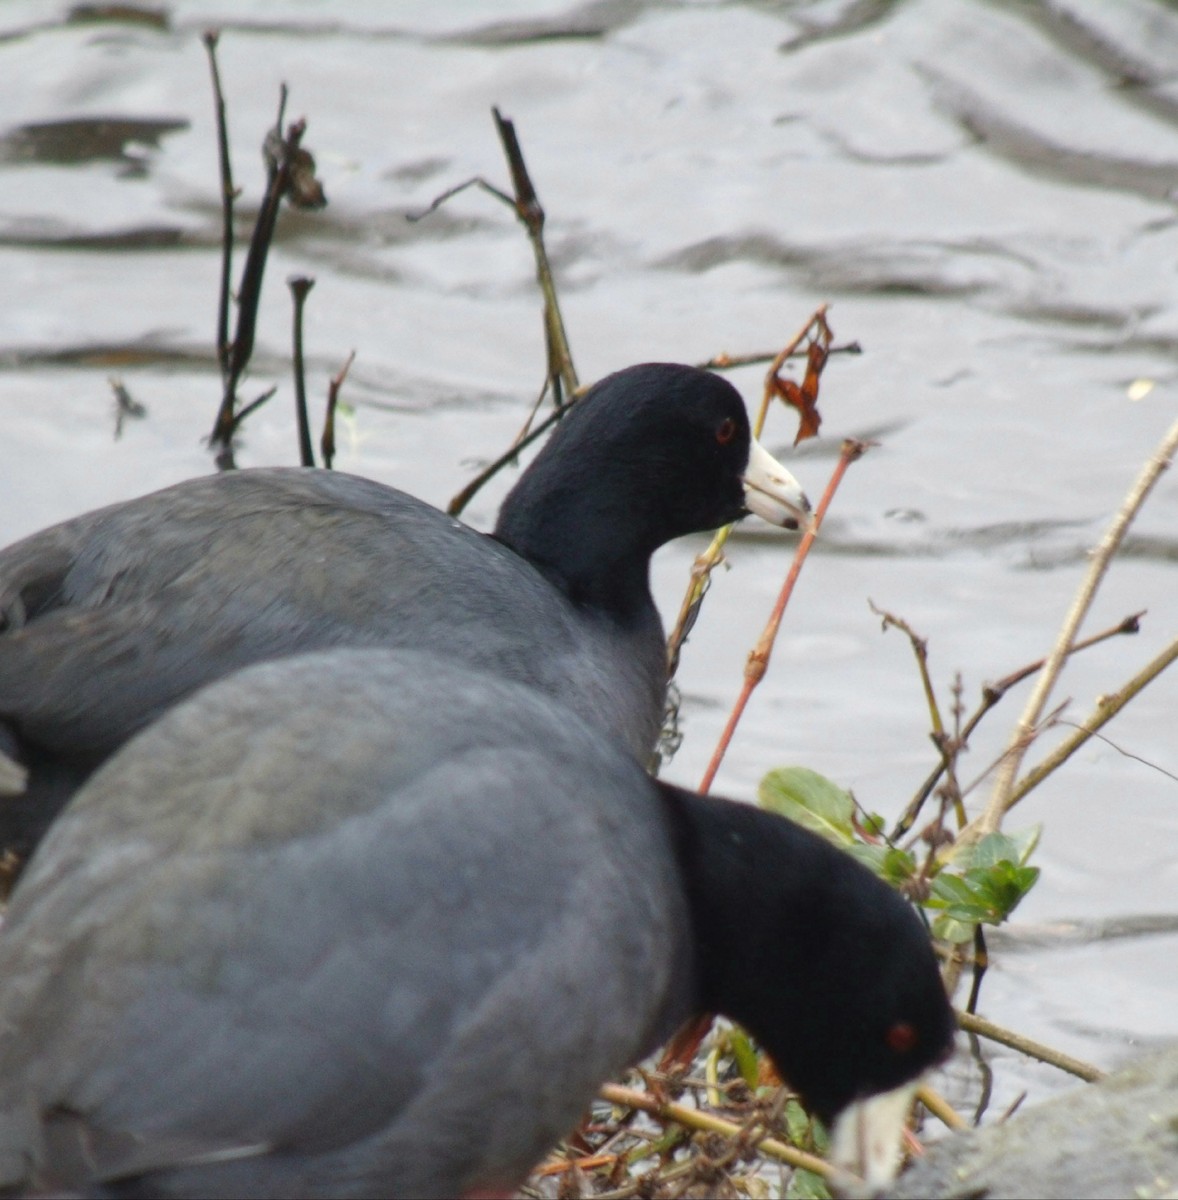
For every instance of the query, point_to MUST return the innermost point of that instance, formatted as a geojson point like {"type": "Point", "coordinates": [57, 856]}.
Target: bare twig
{"type": "Point", "coordinates": [972, 1023]}
{"type": "Point", "coordinates": [693, 1118]}
{"type": "Point", "coordinates": [560, 374]}
{"type": "Point", "coordinates": [300, 286]}
{"type": "Point", "coordinates": [327, 441]}
{"type": "Point", "coordinates": [948, 747]}
{"type": "Point", "coordinates": [256, 403]}
{"type": "Point", "coordinates": [526, 428]}
{"type": "Point", "coordinates": [463, 498]}
{"type": "Point", "coordinates": [588, 1163]}
{"type": "Point", "coordinates": [440, 199]}
{"type": "Point", "coordinates": [526, 204]}
{"type": "Point", "coordinates": [941, 1108]}
{"type": "Point", "coordinates": [282, 155]}
{"type": "Point", "coordinates": [228, 195]}
{"type": "Point", "coordinates": [758, 660]}
{"type": "Point", "coordinates": [1002, 796]}
{"type": "Point", "coordinates": [527, 207]}
{"type": "Point", "coordinates": [992, 693]}
{"type": "Point", "coordinates": [1107, 708]}
{"type": "Point", "coordinates": [1139, 758]}
{"type": "Point", "coordinates": [126, 406]}
{"type": "Point", "coordinates": [920, 650]}
{"type": "Point", "coordinates": [730, 362]}
{"type": "Point", "coordinates": [707, 562]}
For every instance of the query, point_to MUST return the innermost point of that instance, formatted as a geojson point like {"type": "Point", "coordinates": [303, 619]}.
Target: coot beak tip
{"type": "Point", "coordinates": [773, 493]}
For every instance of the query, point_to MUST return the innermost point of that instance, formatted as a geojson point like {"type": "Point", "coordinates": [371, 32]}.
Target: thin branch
{"type": "Point", "coordinates": [526, 205]}
{"type": "Point", "coordinates": [327, 441]}
{"type": "Point", "coordinates": [257, 403]}
{"type": "Point", "coordinates": [758, 660]}
{"type": "Point", "coordinates": [920, 650]}
{"type": "Point", "coordinates": [1001, 798]}
{"type": "Point", "coordinates": [706, 563]}
{"type": "Point", "coordinates": [1107, 708]}
{"type": "Point", "coordinates": [941, 1108]}
{"type": "Point", "coordinates": [463, 498]}
{"type": "Point", "coordinates": [531, 214]}
{"type": "Point", "coordinates": [563, 1166]}
{"type": "Point", "coordinates": [968, 832]}
{"type": "Point", "coordinates": [972, 1023]}
{"type": "Point", "coordinates": [730, 362]}
{"type": "Point", "coordinates": [1145, 762]}
{"type": "Point", "coordinates": [560, 374]}
{"type": "Point", "coordinates": [992, 693]}
{"type": "Point", "coordinates": [693, 1118]}
{"type": "Point", "coordinates": [300, 286]}
{"type": "Point", "coordinates": [280, 157]}
{"type": "Point", "coordinates": [228, 195]}
{"type": "Point", "coordinates": [126, 406]}
{"type": "Point", "coordinates": [475, 181]}
{"type": "Point", "coordinates": [526, 428]}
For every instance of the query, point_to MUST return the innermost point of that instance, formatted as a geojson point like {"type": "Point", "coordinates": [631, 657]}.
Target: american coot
{"type": "Point", "coordinates": [367, 922]}
{"type": "Point", "coordinates": [110, 618]}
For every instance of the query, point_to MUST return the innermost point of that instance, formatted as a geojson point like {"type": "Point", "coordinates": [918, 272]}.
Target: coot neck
{"type": "Point", "coordinates": [595, 548]}
{"type": "Point", "coordinates": [741, 870]}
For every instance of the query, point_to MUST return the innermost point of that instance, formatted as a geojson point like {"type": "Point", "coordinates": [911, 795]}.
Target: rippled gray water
{"type": "Point", "coordinates": [986, 194]}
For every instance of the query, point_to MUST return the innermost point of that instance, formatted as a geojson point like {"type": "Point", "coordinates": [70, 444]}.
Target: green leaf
{"type": "Point", "coordinates": [797, 1123]}
{"type": "Point", "coordinates": [899, 865]}
{"type": "Point", "coordinates": [952, 889]}
{"type": "Point", "coordinates": [806, 1185]}
{"type": "Point", "coordinates": [1001, 887]}
{"type": "Point", "coordinates": [988, 894]}
{"type": "Point", "coordinates": [1025, 841]}
{"type": "Point", "coordinates": [744, 1054]}
{"type": "Point", "coordinates": [811, 800]}
{"type": "Point", "coordinates": [993, 848]}
{"type": "Point", "coordinates": [957, 899]}
{"type": "Point", "coordinates": [996, 847]}
{"type": "Point", "coordinates": [870, 855]}
{"type": "Point", "coordinates": [819, 1137]}
{"type": "Point", "coordinates": [894, 866]}
{"type": "Point", "coordinates": [948, 929]}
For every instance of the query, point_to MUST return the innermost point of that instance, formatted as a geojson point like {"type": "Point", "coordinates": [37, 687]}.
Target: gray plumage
{"type": "Point", "coordinates": [367, 922]}
{"type": "Point", "coordinates": [252, 564]}
{"type": "Point", "coordinates": [339, 913]}
{"type": "Point", "coordinates": [109, 619]}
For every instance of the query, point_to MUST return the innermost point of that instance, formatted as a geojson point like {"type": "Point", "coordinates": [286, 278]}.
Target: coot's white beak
{"type": "Point", "coordinates": [865, 1139]}
{"type": "Point", "coordinates": [772, 492]}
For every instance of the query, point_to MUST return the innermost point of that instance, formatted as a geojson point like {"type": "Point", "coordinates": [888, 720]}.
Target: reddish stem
{"type": "Point", "coordinates": [758, 660]}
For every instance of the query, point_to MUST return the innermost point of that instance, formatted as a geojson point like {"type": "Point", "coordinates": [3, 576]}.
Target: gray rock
{"type": "Point", "coordinates": [1117, 1138]}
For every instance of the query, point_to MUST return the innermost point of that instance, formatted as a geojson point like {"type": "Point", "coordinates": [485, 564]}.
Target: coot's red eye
{"type": "Point", "coordinates": [901, 1037]}
{"type": "Point", "coordinates": [726, 431]}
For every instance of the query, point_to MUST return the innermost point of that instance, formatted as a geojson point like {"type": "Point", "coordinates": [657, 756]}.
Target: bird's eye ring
{"type": "Point", "coordinates": [902, 1037]}
{"type": "Point", "coordinates": [726, 431]}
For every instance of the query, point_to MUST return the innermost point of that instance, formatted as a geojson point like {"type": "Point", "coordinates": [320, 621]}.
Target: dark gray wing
{"type": "Point", "coordinates": [114, 616]}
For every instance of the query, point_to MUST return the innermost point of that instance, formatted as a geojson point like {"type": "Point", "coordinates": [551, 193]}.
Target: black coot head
{"type": "Point", "coordinates": [646, 455]}
{"type": "Point", "coordinates": [829, 967]}
{"type": "Point", "coordinates": [873, 994]}
{"type": "Point", "coordinates": [677, 436]}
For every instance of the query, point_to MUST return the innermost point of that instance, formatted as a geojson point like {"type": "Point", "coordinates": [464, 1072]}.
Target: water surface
{"type": "Point", "coordinates": [984, 192]}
